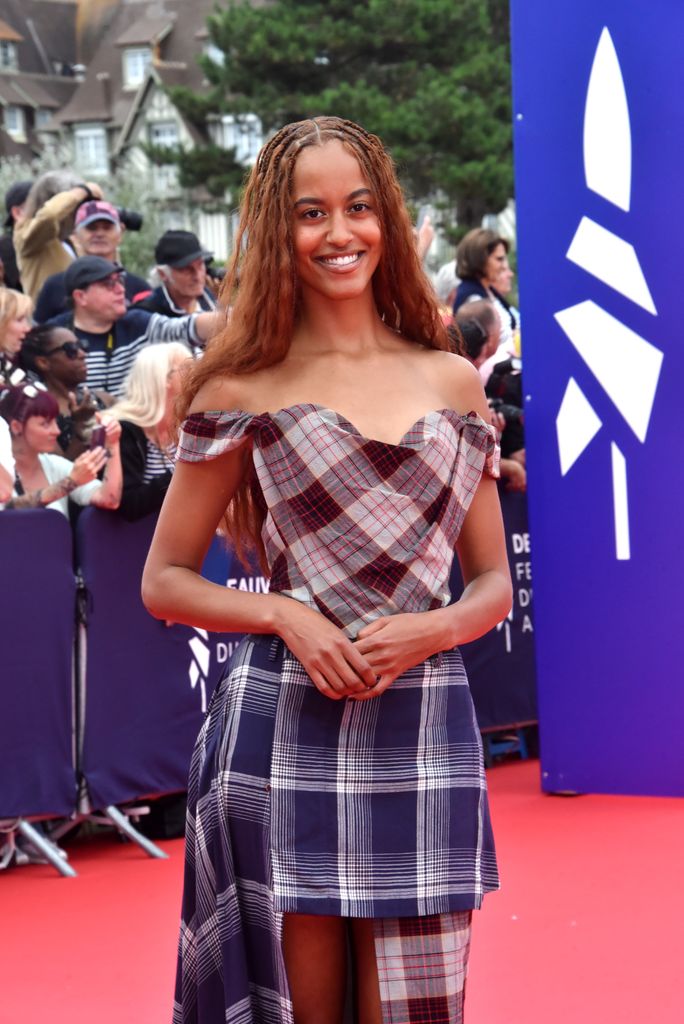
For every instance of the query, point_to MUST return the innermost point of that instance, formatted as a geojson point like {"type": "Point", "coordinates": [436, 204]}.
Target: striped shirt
{"type": "Point", "coordinates": [157, 462]}
{"type": "Point", "coordinates": [110, 355]}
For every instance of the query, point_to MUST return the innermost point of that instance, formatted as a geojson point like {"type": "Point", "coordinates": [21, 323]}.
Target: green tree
{"type": "Point", "coordinates": [430, 77]}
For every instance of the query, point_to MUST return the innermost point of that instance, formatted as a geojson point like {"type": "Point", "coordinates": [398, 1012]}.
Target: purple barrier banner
{"type": "Point", "coordinates": [37, 610]}
{"type": "Point", "coordinates": [500, 665]}
{"type": "Point", "coordinates": [147, 683]}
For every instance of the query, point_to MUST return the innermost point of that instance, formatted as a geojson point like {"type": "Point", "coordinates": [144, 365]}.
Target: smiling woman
{"type": "Point", "coordinates": [337, 788]}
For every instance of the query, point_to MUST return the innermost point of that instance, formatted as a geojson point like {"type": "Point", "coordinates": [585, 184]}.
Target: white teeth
{"type": "Point", "coordinates": [341, 261]}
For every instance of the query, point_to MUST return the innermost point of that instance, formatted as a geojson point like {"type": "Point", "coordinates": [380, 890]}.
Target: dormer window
{"type": "Point", "coordinates": [15, 123]}
{"type": "Point", "coordinates": [8, 56]}
{"type": "Point", "coordinates": [136, 64]}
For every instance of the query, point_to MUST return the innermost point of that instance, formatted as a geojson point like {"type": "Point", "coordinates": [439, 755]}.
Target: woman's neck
{"type": "Point", "coordinates": [26, 460]}
{"type": "Point", "coordinates": [345, 327]}
{"type": "Point", "coordinates": [60, 391]}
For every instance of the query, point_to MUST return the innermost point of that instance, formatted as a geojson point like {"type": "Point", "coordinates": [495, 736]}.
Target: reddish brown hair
{"type": "Point", "coordinates": [266, 303]}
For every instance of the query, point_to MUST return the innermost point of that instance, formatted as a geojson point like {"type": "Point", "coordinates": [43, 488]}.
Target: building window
{"type": "Point", "coordinates": [244, 136]}
{"type": "Point", "coordinates": [42, 117]}
{"type": "Point", "coordinates": [164, 176]}
{"type": "Point", "coordinates": [215, 55]}
{"type": "Point", "coordinates": [15, 124]}
{"type": "Point", "coordinates": [164, 133]}
{"type": "Point", "coordinates": [90, 150]}
{"type": "Point", "coordinates": [136, 64]}
{"type": "Point", "coordinates": [8, 55]}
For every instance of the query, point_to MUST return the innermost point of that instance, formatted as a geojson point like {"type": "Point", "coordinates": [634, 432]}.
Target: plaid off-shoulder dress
{"type": "Point", "coordinates": [301, 804]}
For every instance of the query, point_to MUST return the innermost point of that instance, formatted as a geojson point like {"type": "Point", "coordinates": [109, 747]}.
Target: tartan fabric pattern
{"type": "Point", "coordinates": [301, 804]}
{"type": "Point", "coordinates": [422, 967]}
{"type": "Point", "coordinates": [356, 527]}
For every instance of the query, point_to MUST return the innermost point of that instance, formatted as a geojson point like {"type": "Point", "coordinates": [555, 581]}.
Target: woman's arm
{"type": "Point", "coordinates": [31, 235]}
{"type": "Point", "coordinates": [108, 494]}
{"type": "Point", "coordinates": [173, 589]}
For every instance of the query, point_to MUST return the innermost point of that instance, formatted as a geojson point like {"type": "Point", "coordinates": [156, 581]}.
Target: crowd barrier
{"type": "Point", "coordinates": [101, 703]}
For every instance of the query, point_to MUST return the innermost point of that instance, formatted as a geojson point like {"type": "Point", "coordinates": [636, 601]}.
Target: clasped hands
{"type": "Point", "coordinates": [364, 668]}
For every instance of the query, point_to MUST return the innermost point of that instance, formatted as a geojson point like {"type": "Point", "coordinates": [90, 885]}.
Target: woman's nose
{"type": "Point", "coordinates": [339, 232]}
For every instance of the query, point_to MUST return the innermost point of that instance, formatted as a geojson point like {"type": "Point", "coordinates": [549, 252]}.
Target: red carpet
{"type": "Point", "coordinates": [587, 928]}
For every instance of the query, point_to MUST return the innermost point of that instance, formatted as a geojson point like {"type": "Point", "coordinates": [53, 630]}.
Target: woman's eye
{"type": "Point", "coordinates": [360, 207]}
{"type": "Point", "coordinates": [312, 214]}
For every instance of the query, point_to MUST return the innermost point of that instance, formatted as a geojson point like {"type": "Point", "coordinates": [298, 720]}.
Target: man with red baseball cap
{"type": "Point", "coordinates": [98, 231]}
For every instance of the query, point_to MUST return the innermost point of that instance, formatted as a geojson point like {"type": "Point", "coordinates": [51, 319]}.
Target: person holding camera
{"type": "Point", "coordinates": [42, 231]}
{"type": "Point", "coordinates": [182, 268]}
{"type": "Point", "coordinates": [98, 231]}
{"type": "Point", "coordinates": [46, 480]}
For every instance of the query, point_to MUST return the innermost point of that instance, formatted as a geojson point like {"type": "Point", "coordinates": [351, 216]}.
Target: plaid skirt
{"type": "Point", "coordinates": [300, 804]}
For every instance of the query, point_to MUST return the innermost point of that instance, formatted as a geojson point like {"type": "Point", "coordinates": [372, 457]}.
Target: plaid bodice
{"type": "Point", "coordinates": [355, 527]}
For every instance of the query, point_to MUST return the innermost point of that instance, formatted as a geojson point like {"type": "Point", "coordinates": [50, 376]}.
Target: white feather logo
{"type": "Point", "coordinates": [625, 364]}
{"type": "Point", "coordinates": [199, 665]}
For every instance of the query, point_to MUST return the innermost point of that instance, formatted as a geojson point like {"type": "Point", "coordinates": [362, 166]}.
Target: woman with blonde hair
{"type": "Point", "coordinates": [15, 323]}
{"type": "Point", "coordinates": [146, 414]}
{"type": "Point", "coordinates": [337, 788]}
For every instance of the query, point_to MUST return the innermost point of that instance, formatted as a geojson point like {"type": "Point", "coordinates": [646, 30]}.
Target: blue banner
{"type": "Point", "coordinates": [599, 144]}
{"type": "Point", "coordinates": [147, 683]}
{"type": "Point", "coordinates": [37, 611]}
{"type": "Point", "coordinates": [500, 665]}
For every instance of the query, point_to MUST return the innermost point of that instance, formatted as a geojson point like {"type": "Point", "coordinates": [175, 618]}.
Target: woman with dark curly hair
{"type": "Point", "coordinates": [336, 790]}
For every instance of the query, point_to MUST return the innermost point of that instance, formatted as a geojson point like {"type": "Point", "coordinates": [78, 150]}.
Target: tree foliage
{"type": "Point", "coordinates": [430, 77]}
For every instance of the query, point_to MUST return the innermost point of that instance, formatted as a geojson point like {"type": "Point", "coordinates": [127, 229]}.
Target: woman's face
{"type": "Point", "coordinates": [337, 236]}
{"type": "Point", "coordinates": [39, 434]}
{"type": "Point", "coordinates": [13, 333]}
{"type": "Point", "coordinates": [174, 378]}
{"type": "Point", "coordinates": [65, 358]}
{"type": "Point", "coordinates": [497, 263]}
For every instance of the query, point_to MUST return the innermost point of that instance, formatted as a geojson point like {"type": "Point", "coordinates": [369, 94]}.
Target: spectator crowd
{"type": "Point", "coordinates": [91, 355]}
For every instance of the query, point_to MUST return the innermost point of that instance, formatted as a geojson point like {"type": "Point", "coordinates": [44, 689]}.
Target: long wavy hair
{"type": "Point", "coordinates": [266, 305]}
{"type": "Point", "coordinates": [145, 390]}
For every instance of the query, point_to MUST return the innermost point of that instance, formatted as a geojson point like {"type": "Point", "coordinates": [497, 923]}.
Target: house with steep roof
{"type": "Point", "coordinates": [38, 73]}
{"type": "Point", "coordinates": [122, 107]}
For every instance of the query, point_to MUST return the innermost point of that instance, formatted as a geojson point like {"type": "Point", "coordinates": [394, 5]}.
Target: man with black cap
{"type": "Point", "coordinates": [113, 335]}
{"type": "Point", "coordinates": [98, 232]}
{"type": "Point", "coordinates": [15, 197]}
{"type": "Point", "coordinates": [182, 267]}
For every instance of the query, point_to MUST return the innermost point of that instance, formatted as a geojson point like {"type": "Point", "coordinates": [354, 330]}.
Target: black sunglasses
{"type": "Point", "coordinates": [71, 349]}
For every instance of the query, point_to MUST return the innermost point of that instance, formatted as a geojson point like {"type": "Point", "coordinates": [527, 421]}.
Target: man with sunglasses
{"type": "Point", "coordinates": [112, 334]}
{"type": "Point", "coordinates": [98, 232]}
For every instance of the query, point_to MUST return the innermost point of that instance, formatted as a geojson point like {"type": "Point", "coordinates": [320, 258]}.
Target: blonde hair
{"type": "Point", "coordinates": [13, 305]}
{"type": "Point", "coordinates": [144, 400]}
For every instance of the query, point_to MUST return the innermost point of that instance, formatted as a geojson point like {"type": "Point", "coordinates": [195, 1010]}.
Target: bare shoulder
{"type": "Point", "coordinates": [225, 394]}
{"type": "Point", "coordinates": [458, 382]}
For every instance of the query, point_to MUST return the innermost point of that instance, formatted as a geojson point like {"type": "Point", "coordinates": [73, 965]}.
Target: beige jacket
{"type": "Point", "coordinates": [37, 243]}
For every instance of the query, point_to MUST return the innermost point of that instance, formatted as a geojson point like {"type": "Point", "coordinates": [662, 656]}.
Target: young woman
{"type": "Point", "coordinates": [146, 414]}
{"type": "Point", "coordinates": [46, 480]}
{"type": "Point", "coordinates": [337, 788]}
{"type": "Point", "coordinates": [56, 356]}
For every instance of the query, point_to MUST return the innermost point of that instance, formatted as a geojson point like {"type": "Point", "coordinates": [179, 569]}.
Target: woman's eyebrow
{"type": "Point", "coordinates": [308, 200]}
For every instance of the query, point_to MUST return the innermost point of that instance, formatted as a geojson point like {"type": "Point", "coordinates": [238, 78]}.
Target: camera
{"type": "Point", "coordinates": [131, 219]}
{"type": "Point", "coordinates": [216, 273]}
